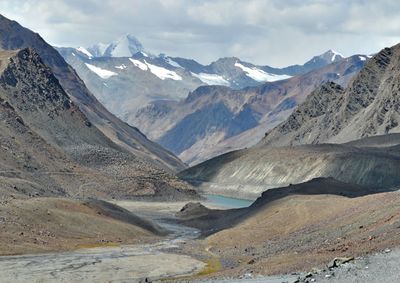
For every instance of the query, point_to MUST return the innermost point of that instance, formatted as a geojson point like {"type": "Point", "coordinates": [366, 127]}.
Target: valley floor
{"type": "Point", "coordinates": [153, 260]}
{"type": "Point", "coordinates": [293, 235]}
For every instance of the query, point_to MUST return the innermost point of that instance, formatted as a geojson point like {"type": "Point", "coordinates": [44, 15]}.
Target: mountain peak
{"type": "Point", "coordinates": [331, 56]}
{"type": "Point", "coordinates": [125, 46]}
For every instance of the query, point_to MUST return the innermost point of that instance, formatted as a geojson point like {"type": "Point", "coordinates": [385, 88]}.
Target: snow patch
{"type": "Point", "coordinates": [121, 67]}
{"type": "Point", "coordinates": [144, 54]}
{"type": "Point", "coordinates": [211, 79]}
{"type": "Point", "coordinates": [139, 64]}
{"type": "Point", "coordinates": [362, 58]}
{"type": "Point", "coordinates": [85, 51]}
{"type": "Point", "coordinates": [335, 54]}
{"type": "Point", "coordinates": [102, 73]}
{"type": "Point", "coordinates": [259, 75]}
{"type": "Point", "coordinates": [163, 73]}
{"type": "Point", "coordinates": [73, 54]}
{"type": "Point", "coordinates": [160, 72]}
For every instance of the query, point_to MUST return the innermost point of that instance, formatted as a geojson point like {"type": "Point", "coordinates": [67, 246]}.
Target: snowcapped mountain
{"type": "Point", "coordinates": [125, 46]}
{"type": "Point", "coordinates": [126, 79]}
{"type": "Point", "coordinates": [213, 120]}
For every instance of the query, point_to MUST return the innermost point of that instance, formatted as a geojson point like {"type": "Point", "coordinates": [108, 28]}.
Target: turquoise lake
{"type": "Point", "coordinates": [227, 201]}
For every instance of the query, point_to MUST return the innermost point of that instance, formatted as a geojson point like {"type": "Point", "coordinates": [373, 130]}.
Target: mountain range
{"type": "Point", "coordinates": [216, 119]}
{"type": "Point", "coordinates": [349, 133]}
{"type": "Point", "coordinates": [166, 95]}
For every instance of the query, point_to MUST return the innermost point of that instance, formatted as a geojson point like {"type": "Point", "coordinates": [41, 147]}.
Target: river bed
{"type": "Point", "coordinates": [129, 263]}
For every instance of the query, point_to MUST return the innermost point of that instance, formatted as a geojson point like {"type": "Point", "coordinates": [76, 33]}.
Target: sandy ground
{"type": "Point", "coordinates": [249, 252]}
{"type": "Point", "coordinates": [126, 263]}
{"type": "Point", "coordinates": [113, 264]}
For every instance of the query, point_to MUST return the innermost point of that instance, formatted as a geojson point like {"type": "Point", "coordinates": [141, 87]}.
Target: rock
{"type": "Point", "coordinates": [308, 275]}
{"type": "Point", "coordinates": [19, 120]}
{"type": "Point", "coordinates": [337, 261]}
{"type": "Point", "coordinates": [252, 261]}
{"type": "Point", "coordinates": [388, 250]}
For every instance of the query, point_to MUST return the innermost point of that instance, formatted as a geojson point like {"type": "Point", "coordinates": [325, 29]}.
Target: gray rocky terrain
{"type": "Point", "coordinates": [49, 147]}
{"type": "Point", "coordinates": [247, 173]}
{"type": "Point", "coordinates": [368, 106]}
{"type": "Point", "coordinates": [57, 139]}
{"type": "Point", "coordinates": [13, 36]}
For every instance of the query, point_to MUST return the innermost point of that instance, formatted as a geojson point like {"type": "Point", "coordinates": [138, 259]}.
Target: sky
{"type": "Point", "coordinates": [264, 32]}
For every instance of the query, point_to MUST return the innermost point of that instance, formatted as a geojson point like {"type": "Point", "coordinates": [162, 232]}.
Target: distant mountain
{"type": "Point", "coordinates": [319, 61]}
{"type": "Point", "coordinates": [125, 46]}
{"type": "Point", "coordinates": [216, 119]}
{"type": "Point", "coordinates": [368, 106]}
{"type": "Point", "coordinates": [125, 77]}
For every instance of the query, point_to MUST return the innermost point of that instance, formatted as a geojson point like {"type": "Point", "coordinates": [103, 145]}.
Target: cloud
{"type": "Point", "coordinates": [270, 32]}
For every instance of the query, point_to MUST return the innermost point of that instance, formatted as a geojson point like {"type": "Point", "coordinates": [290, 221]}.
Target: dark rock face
{"type": "Point", "coordinates": [50, 146]}
{"type": "Point", "coordinates": [13, 36]}
{"type": "Point", "coordinates": [368, 106]}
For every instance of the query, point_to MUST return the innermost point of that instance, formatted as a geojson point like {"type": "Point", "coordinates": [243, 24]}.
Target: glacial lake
{"type": "Point", "coordinates": [227, 201]}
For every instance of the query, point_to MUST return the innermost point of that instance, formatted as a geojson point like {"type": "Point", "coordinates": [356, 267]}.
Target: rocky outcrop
{"type": "Point", "coordinates": [368, 106]}
{"type": "Point", "coordinates": [13, 36]}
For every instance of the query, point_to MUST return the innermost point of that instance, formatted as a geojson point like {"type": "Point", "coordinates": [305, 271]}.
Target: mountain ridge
{"type": "Point", "coordinates": [367, 107]}
{"type": "Point", "coordinates": [263, 107]}
{"type": "Point", "coordinates": [14, 36]}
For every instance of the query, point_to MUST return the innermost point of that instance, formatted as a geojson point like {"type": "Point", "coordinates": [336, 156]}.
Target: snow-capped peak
{"type": "Point", "coordinates": [125, 46]}
{"type": "Point", "coordinates": [335, 54]}
{"type": "Point", "coordinates": [331, 56]}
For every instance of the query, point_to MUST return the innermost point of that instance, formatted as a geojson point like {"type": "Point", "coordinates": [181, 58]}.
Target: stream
{"type": "Point", "coordinates": [127, 263]}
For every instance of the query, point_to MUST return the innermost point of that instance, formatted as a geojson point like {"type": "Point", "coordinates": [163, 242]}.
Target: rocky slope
{"type": "Point", "coordinates": [300, 228]}
{"type": "Point", "coordinates": [13, 36]}
{"type": "Point", "coordinates": [215, 119]}
{"type": "Point", "coordinates": [50, 148]}
{"type": "Point", "coordinates": [368, 106]}
{"type": "Point", "coordinates": [247, 173]}
{"type": "Point", "coordinates": [54, 224]}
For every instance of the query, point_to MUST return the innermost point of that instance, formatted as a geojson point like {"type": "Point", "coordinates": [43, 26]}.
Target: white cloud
{"type": "Point", "coordinates": [271, 32]}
